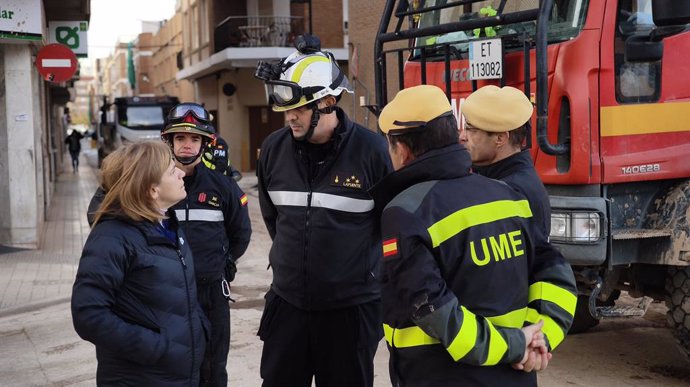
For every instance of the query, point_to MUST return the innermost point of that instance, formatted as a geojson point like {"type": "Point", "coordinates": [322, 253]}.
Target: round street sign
{"type": "Point", "coordinates": [56, 62]}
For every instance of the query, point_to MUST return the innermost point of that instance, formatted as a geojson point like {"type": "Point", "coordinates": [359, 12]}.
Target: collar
{"type": "Point", "coordinates": [450, 162]}
{"type": "Point", "coordinates": [505, 167]}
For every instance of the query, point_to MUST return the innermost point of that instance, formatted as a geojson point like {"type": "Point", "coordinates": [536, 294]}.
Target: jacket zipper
{"type": "Point", "coordinates": [191, 312]}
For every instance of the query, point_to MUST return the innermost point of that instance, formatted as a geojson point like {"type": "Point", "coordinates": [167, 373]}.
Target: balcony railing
{"type": "Point", "coordinates": [257, 31]}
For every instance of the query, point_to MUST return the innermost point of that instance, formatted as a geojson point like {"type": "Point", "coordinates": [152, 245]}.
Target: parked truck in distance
{"type": "Point", "coordinates": [131, 119]}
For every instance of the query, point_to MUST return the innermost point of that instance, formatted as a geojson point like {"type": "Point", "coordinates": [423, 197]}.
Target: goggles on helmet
{"type": "Point", "coordinates": [179, 112]}
{"type": "Point", "coordinates": [285, 93]}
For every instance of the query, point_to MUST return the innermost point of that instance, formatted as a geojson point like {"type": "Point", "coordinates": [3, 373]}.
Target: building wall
{"type": "Point", "coordinates": [142, 64]}
{"type": "Point", "coordinates": [327, 21]}
{"type": "Point", "coordinates": [167, 45]}
{"type": "Point", "coordinates": [365, 17]}
{"type": "Point", "coordinates": [22, 161]}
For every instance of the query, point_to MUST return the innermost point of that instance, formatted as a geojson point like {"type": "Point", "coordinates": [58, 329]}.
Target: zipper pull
{"type": "Point", "coordinates": [184, 264]}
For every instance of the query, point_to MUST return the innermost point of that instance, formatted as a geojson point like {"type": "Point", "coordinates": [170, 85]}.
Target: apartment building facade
{"type": "Point", "coordinates": [222, 43]}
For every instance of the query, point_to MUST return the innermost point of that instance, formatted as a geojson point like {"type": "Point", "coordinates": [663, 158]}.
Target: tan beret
{"type": "Point", "coordinates": [413, 107]}
{"type": "Point", "coordinates": [497, 109]}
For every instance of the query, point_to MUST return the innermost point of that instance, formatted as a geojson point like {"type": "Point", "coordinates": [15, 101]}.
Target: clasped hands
{"type": "Point", "coordinates": [537, 355]}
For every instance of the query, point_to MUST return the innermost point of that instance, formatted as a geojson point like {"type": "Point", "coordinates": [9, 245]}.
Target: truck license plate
{"type": "Point", "coordinates": [486, 59]}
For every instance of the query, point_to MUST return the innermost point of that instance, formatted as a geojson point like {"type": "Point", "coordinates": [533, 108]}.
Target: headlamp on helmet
{"type": "Point", "coordinates": [303, 77]}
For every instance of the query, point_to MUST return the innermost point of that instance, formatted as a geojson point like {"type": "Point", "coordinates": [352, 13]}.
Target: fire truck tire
{"type": "Point", "coordinates": [678, 303]}
{"type": "Point", "coordinates": [583, 320]}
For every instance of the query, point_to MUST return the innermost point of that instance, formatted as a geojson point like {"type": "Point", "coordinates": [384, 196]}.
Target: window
{"type": "Point", "coordinates": [566, 22]}
{"type": "Point", "coordinates": [635, 81]}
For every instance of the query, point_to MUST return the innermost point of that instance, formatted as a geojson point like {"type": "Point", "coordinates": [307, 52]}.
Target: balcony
{"type": "Point", "coordinates": [241, 41]}
{"type": "Point", "coordinates": [257, 31]}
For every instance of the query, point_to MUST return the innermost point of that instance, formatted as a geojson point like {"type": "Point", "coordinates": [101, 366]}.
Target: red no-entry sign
{"type": "Point", "coordinates": [56, 62]}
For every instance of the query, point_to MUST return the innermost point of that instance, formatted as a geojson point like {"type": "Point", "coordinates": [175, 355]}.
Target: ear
{"type": "Point", "coordinates": [502, 139]}
{"type": "Point", "coordinates": [329, 101]}
{"type": "Point", "coordinates": [154, 192]}
{"type": "Point", "coordinates": [406, 154]}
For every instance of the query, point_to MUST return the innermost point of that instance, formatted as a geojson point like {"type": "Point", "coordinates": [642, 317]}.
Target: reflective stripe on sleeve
{"type": "Point", "coordinates": [514, 319]}
{"type": "Point", "coordinates": [407, 337]}
{"type": "Point", "coordinates": [323, 200]}
{"type": "Point", "coordinates": [202, 215]}
{"type": "Point", "coordinates": [466, 339]}
{"type": "Point", "coordinates": [468, 217]}
{"type": "Point", "coordinates": [549, 292]}
{"type": "Point", "coordinates": [497, 347]}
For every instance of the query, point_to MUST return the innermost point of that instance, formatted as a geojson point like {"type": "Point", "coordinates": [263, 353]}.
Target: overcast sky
{"type": "Point", "coordinates": [113, 20]}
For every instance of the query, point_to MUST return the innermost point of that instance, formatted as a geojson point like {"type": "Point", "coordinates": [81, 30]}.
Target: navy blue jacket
{"type": "Point", "coordinates": [215, 219]}
{"type": "Point", "coordinates": [551, 271]}
{"type": "Point", "coordinates": [518, 172]}
{"type": "Point", "coordinates": [134, 298]}
{"type": "Point", "coordinates": [326, 237]}
{"type": "Point", "coordinates": [458, 254]}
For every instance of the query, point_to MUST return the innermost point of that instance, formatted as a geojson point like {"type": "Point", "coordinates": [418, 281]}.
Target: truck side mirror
{"type": "Point", "coordinates": [670, 12]}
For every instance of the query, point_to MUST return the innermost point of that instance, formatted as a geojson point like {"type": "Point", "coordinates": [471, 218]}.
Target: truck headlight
{"type": "Point", "coordinates": [575, 227]}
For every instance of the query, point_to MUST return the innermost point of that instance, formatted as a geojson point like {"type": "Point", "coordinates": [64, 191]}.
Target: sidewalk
{"type": "Point", "coordinates": [31, 279]}
{"type": "Point", "coordinates": [39, 344]}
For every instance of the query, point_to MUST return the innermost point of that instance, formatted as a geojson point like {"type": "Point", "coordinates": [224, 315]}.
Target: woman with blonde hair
{"type": "Point", "coordinates": [134, 296]}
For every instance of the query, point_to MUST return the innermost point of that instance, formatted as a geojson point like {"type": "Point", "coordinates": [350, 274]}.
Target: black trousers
{"type": "Point", "coordinates": [217, 309]}
{"type": "Point", "coordinates": [336, 347]}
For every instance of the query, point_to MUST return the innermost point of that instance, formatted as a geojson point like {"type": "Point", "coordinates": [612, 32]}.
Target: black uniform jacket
{"type": "Point", "coordinates": [553, 293]}
{"type": "Point", "coordinates": [518, 172]}
{"type": "Point", "coordinates": [215, 219]}
{"type": "Point", "coordinates": [326, 237]}
{"type": "Point", "coordinates": [457, 258]}
{"type": "Point", "coordinates": [134, 298]}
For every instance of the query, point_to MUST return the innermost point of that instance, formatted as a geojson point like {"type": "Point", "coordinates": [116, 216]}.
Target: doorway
{"type": "Point", "coordinates": [262, 122]}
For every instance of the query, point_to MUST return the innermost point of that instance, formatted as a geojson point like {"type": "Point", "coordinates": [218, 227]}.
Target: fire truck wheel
{"type": "Point", "coordinates": [678, 303]}
{"type": "Point", "coordinates": [583, 320]}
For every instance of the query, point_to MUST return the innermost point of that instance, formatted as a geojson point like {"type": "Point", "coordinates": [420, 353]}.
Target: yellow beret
{"type": "Point", "coordinates": [413, 108]}
{"type": "Point", "coordinates": [497, 109]}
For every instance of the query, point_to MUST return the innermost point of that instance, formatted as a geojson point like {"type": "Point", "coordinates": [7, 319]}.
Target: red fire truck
{"type": "Point", "coordinates": [611, 135]}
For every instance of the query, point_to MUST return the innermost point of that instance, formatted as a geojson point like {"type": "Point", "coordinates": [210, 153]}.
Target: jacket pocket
{"type": "Point", "coordinates": [270, 310]}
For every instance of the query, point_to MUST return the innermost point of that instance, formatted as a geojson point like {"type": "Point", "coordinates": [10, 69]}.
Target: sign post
{"type": "Point", "coordinates": [56, 63]}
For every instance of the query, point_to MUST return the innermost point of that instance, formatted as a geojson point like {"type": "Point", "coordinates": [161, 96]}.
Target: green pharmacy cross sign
{"type": "Point", "coordinates": [70, 33]}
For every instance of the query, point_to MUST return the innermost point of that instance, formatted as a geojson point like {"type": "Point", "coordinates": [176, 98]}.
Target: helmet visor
{"type": "Point", "coordinates": [179, 112]}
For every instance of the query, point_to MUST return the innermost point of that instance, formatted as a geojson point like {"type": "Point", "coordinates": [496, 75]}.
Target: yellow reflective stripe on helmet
{"type": "Point", "coordinates": [465, 340]}
{"type": "Point", "coordinates": [552, 293]}
{"type": "Point", "coordinates": [468, 217]}
{"type": "Point", "coordinates": [407, 337]}
{"type": "Point", "coordinates": [551, 329]}
{"type": "Point", "coordinates": [302, 65]}
{"type": "Point", "coordinates": [497, 347]}
{"type": "Point", "coordinates": [514, 319]}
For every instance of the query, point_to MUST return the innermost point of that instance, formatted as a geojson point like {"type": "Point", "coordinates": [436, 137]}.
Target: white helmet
{"type": "Point", "coordinates": [304, 78]}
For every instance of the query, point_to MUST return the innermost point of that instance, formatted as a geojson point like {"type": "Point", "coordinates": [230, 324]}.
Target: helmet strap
{"type": "Point", "coordinates": [315, 116]}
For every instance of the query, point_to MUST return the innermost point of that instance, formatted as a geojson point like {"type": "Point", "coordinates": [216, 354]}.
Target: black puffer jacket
{"type": "Point", "coordinates": [135, 299]}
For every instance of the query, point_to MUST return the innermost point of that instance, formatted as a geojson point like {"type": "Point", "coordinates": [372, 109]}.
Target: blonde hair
{"type": "Point", "coordinates": [127, 176]}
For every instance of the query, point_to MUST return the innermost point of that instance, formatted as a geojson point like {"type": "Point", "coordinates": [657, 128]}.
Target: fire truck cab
{"type": "Point", "coordinates": [611, 135]}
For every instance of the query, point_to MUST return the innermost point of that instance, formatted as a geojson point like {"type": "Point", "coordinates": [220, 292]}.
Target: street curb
{"type": "Point", "coordinates": [30, 307]}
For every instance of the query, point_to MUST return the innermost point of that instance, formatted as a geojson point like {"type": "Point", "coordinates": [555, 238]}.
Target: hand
{"type": "Point", "coordinates": [230, 269]}
{"type": "Point", "coordinates": [536, 356]}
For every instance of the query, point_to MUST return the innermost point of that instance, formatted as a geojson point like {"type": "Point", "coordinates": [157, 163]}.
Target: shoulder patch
{"type": "Point", "coordinates": [390, 248]}
{"type": "Point", "coordinates": [244, 200]}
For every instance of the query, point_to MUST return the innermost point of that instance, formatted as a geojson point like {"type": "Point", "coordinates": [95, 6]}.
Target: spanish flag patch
{"type": "Point", "coordinates": [244, 200]}
{"type": "Point", "coordinates": [390, 247]}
